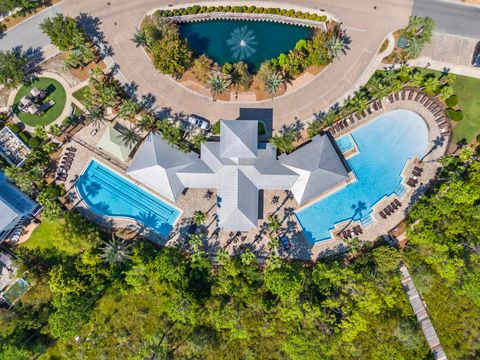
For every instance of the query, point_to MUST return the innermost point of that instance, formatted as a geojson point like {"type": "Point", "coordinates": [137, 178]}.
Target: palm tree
{"type": "Point", "coordinates": [418, 79]}
{"type": "Point", "coordinates": [431, 85]}
{"type": "Point", "coordinates": [445, 92]}
{"type": "Point", "coordinates": [273, 243]}
{"type": "Point", "coordinates": [273, 222]}
{"type": "Point", "coordinates": [218, 83]}
{"type": "Point", "coordinates": [272, 82]}
{"type": "Point", "coordinates": [129, 137]}
{"type": "Point", "coordinates": [334, 45]}
{"type": "Point", "coordinates": [196, 242]}
{"type": "Point", "coordinates": [95, 115]}
{"type": "Point", "coordinates": [87, 54]}
{"type": "Point", "coordinates": [147, 122]}
{"type": "Point", "coordinates": [139, 38]}
{"type": "Point", "coordinates": [106, 95]}
{"type": "Point", "coordinates": [199, 218]}
{"type": "Point", "coordinates": [128, 109]}
{"type": "Point", "coordinates": [412, 51]}
{"type": "Point", "coordinates": [115, 251]}
{"type": "Point", "coordinates": [73, 61]}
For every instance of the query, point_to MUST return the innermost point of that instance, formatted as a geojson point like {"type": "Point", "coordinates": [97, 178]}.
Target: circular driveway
{"type": "Point", "coordinates": [367, 23]}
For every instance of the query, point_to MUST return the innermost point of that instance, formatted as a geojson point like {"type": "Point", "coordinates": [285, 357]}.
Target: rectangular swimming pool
{"type": "Point", "coordinates": [109, 194]}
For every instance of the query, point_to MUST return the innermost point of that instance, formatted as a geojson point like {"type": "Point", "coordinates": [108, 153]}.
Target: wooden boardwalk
{"type": "Point", "coordinates": [422, 315]}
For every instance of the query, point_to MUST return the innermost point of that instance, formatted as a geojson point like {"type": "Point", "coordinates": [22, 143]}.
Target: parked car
{"type": "Point", "coordinates": [198, 122]}
{"type": "Point", "coordinates": [476, 56]}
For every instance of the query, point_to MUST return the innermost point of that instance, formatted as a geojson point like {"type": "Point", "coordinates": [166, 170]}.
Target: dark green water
{"type": "Point", "coordinates": [236, 40]}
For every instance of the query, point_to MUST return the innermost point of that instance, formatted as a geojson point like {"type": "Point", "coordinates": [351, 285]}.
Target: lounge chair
{"type": "Point", "coordinates": [345, 122]}
{"type": "Point", "coordinates": [417, 168]}
{"type": "Point", "coordinates": [440, 119]}
{"type": "Point", "coordinates": [355, 231]}
{"type": "Point", "coordinates": [351, 119]}
{"type": "Point", "coordinates": [394, 206]}
{"type": "Point", "coordinates": [369, 111]}
{"type": "Point", "coordinates": [403, 94]}
{"type": "Point", "coordinates": [332, 130]}
{"type": "Point", "coordinates": [437, 113]}
{"type": "Point", "coordinates": [397, 97]}
{"type": "Point", "coordinates": [428, 103]}
{"type": "Point", "coordinates": [423, 99]}
{"type": "Point", "coordinates": [412, 182]}
{"type": "Point", "coordinates": [340, 124]}
{"type": "Point", "coordinates": [417, 97]}
{"type": "Point", "coordinates": [390, 208]}
{"type": "Point", "coordinates": [359, 229]}
{"type": "Point", "coordinates": [391, 98]}
{"type": "Point", "coordinates": [416, 173]}
{"type": "Point", "coordinates": [386, 211]}
{"type": "Point", "coordinates": [364, 113]}
{"type": "Point", "coordinates": [410, 96]}
{"type": "Point", "coordinates": [396, 201]}
{"type": "Point", "coordinates": [358, 116]}
{"type": "Point", "coordinates": [375, 106]}
{"type": "Point", "coordinates": [433, 106]}
{"type": "Point", "coordinates": [382, 214]}
{"type": "Point", "coordinates": [380, 105]}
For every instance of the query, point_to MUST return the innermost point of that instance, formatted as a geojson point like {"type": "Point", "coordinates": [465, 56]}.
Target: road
{"type": "Point", "coordinates": [456, 19]}
{"type": "Point", "coordinates": [27, 34]}
{"type": "Point", "coordinates": [368, 22]}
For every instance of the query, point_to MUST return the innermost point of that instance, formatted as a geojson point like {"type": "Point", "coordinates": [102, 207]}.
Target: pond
{"type": "Point", "coordinates": [239, 40]}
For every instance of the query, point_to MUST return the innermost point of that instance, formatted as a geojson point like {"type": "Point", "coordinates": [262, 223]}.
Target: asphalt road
{"type": "Point", "coordinates": [456, 19]}
{"type": "Point", "coordinates": [27, 34]}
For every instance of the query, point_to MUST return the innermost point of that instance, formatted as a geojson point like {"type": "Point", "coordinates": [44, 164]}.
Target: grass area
{"type": "Point", "coordinates": [468, 92]}
{"type": "Point", "coordinates": [41, 237]}
{"type": "Point", "coordinates": [55, 92]}
{"type": "Point", "coordinates": [80, 94]}
{"type": "Point", "coordinates": [467, 89]}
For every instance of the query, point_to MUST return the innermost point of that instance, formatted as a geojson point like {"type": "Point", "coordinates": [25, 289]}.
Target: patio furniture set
{"type": "Point", "coordinates": [349, 233]}
{"type": "Point", "coordinates": [12, 148]}
{"type": "Point", "coordinates": [66, 164]}
{"type": "Point", "coordinates": [416, 172]}
{"type": "Point", "coordinates": [32, 104]}
{"type": "Point", "coordinates": [430, 104]}
{"type": "Point", "coordinates": [390, 208]}
{"type": "Point", "coordinates": [343, 124]}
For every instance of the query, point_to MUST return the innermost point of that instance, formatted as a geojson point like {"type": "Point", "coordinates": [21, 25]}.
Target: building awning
{"type": "Point", "coordinates": [113, 143]}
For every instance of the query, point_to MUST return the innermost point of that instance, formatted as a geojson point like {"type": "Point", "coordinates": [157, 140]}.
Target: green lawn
{"type": "Point", "coordinates": [55, 92]}
{"type": "Point", "coordinates": [467, 89]}
{"type": "Point", "coordinates": [468, 92]}
{"type": "Point", "coordinates": [79, 94]}
{"type": "Point", "coordinates": [42, 236]}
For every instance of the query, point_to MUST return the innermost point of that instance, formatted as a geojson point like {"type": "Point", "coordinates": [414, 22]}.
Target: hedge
{"type": "Point", "coordinates": [15, 128]}
{"type": "Point", "coordinates": [452, 101]}
{"type": "Point", "coordinates": [455, 115]}
{"type": "Point", "coordinates": [192, 10]}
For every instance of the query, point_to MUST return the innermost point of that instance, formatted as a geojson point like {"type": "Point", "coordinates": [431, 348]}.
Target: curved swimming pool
{"type": "Point", "coordinates": [385, 144]}
{"type": "Point", "coordinates": [109, 194]}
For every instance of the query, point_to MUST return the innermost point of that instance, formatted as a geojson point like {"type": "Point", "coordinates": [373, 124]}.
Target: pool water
{"type": "Point", "coordinates": [110, 194]}
{"type": "Point", "coordinates": [384, 144]}
{"type": "Point", "coordinates": [238, 40]}
{"type": "Point", "coordinates": [345, 143]}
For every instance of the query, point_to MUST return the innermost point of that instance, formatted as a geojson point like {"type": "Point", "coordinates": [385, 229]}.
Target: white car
{"type": "Point", "coordinates": [198, 122]}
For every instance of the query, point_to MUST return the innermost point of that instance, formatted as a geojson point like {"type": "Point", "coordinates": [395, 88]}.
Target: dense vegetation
{"type": "Point", "coordinates": [172, 55]}
{"type": "Point", "coordinates": [444, 254]}
{"type": "Point", "coordinates": [158, 303]}
{"type": "Point", "coordinates": [24, 6]}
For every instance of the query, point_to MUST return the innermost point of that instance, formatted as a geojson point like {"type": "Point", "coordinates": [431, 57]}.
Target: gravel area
{"type": "Point", "coordinates": [56, 66]}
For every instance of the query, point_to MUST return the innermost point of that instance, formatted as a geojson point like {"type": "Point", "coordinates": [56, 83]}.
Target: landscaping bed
{"type": "Point", "coordinates": [55, 92]}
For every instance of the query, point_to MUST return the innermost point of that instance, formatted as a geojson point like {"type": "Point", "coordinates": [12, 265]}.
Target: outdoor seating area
{"type": "Point", "coordinates": [416, 172]}
{"type": "Point", "coordinates": [390, 208]}
{"type": "Point", "coordinates": [31, 104]}
{"type": "Point", "coordinates": [12, 149]}
{"type": "Point", "coordinates": [351, 233]}
{"type": "Point", "coordinates": [341, 126]}
{"type": "Point", "coordinates": [66, 164]}
{"type": "Point", "coordinates": [427, 101]}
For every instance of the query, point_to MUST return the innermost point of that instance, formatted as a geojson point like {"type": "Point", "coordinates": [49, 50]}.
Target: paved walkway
{"type": "Point", "coordinates": [422, 315]}
{"type": "Point", "coordinates": [368, 23]}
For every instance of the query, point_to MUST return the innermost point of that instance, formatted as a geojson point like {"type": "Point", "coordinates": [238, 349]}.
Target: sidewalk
{"type": "Point", "coordinates": [422, 61]}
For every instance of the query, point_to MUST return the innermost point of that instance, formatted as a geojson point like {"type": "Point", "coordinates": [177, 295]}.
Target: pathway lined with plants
{"type": "Point", "coordinates": [422, 315]}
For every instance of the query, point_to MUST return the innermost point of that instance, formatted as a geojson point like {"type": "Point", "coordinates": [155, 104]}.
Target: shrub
{"type": "Point", "coordinates": [23, 136]}
{"type": "Point", "coordinates": [15, 128]}
{"type": "Point", "coordinates": [245, 8]}
{"type": "Point", "coordinates": [228, 8]}
{"type": "Point", "coordinates": [272, 11]}
{"type": "Point", "coordinates": [220, 8]}
{"type": "Point", "coordinates": [298, 14]}
{"type": "Point", "coordinates": [211, 9]}
{"type": "Point", "coordinates": [252, 8]}
{"type": "Point", "coordinates": [238, 9]}
{"type": "Point", "coordinates": [323, 18]}
{"type": "Point", "coordinates": [452, 101]}
{"type": "Point", "coordinates": [34, 142]}
{"type": "Point", "coordinates": [478, 139]}
{"type": "Point", "coordinates": [216, 128]}
{"type": "Point", "coordinates": [455, 115]}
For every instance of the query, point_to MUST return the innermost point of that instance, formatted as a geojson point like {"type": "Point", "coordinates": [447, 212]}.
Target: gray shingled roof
{"type": "Point", "coordinates": [239, 139]}
{"type": "Point", "coordinates": [319, 166]}
{"type": "Point", "coordinates": [14, 204]}
{"type": "Point", "coordinates": [238, 167]}
{"type": "Point", "coordinates": [156, 165]}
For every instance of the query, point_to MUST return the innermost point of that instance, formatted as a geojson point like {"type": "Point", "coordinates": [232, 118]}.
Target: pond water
{"type": "Point", "coordinates": [238, 40]}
